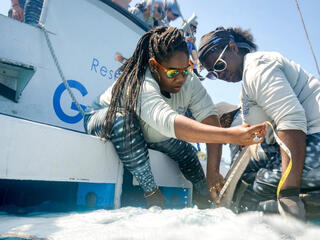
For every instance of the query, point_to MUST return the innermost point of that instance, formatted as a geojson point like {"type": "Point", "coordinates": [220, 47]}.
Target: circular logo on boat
{"type": "Point", "coordinates": [57, 102]}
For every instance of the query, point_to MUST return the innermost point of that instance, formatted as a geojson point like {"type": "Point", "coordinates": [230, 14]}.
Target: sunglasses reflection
{"type": "Point", "coordinates": [171, 73]}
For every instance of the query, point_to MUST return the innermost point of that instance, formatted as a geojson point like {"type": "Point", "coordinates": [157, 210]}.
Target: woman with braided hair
{"type": "Point", "coordinates": [278, 90]}
{"type": "Point", "coordinates": [145, 109]}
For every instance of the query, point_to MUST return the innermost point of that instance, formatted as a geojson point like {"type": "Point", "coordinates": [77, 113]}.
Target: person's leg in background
{"type": "Point", "coordinates": [32, 11]}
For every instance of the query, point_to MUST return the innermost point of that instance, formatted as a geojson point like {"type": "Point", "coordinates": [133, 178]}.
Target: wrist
{"type": "Point", "coordinates": [288, 192]}
{"type": "Point", "coordinates": [212, 171]}
{"type": "Point", "coordinates": [229, 136]}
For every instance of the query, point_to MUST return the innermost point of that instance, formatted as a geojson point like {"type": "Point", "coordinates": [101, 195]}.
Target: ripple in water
{"type": "Point", "coordinates": [154, 223]}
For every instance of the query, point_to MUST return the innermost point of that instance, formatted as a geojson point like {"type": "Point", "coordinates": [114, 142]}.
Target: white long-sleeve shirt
{"type": "Point", "coordinates": [275, 88]}
{"type": "Point", "coordinates": [158, 112]}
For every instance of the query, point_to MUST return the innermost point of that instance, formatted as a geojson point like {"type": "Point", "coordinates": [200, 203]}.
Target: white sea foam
{"type": "Point", "coordinates": [137, 223]}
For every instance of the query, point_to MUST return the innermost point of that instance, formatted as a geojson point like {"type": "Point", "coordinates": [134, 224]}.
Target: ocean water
{"type": "Point", "coordinates": [154, 223]}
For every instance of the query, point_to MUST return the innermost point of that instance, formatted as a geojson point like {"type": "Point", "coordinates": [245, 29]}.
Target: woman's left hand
{"type": "Point", "coordinates": [215, 182]}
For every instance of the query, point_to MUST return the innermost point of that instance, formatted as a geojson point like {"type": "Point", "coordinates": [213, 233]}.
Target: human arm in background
{"type": "Point", "coordinates": [17, 11]}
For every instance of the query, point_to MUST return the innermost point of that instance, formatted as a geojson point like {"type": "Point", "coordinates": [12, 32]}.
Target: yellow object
{"type": "Point", "coordinates": [150, 21]}
{"type": "Point", "coordinates": [286, 149]}
{"type": "Point", "coordinates": [201, 155]}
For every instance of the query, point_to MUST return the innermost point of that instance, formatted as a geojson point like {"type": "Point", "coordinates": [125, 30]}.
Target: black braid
{"type": "Point", "coordinates": [159, 43]}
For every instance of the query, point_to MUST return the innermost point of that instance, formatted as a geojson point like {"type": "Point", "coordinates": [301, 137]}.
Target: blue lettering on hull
{"type": "Point", "coordinates": [103, 71]}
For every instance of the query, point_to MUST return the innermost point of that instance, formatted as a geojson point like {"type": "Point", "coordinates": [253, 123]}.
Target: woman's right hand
{"type": "Point", "coordinates": [246, 134]}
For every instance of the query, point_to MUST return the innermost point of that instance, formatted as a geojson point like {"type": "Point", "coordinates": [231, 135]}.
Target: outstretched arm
{"type": "Point", "coordinates": [192, 131]}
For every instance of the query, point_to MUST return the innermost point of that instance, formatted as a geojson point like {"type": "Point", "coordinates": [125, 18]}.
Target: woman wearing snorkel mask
{"type": "Point", "coordinates": [145, 108]}
{"type": "Point", "coordinates": [278, 90]}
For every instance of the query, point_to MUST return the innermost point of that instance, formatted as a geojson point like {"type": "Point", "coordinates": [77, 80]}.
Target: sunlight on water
{"type": "Point", "coordinates": [137, 223]}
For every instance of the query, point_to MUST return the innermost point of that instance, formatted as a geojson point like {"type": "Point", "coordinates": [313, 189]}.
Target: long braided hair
{"type": "Point", "coordinates": [159, 43]}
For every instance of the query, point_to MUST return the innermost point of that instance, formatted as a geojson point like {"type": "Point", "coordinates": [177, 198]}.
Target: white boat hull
{"type": "Point", "coordinates": [42, 136]}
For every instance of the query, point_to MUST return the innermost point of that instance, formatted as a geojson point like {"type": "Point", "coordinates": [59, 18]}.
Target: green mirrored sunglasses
{"type": "Point", "coordinates": [171, 73]}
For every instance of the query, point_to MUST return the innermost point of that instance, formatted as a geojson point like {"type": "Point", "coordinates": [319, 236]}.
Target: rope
{"type": "Point", "coordinates": [41, 26]}
{"type": "Point", "coordinates": [309, 42]}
